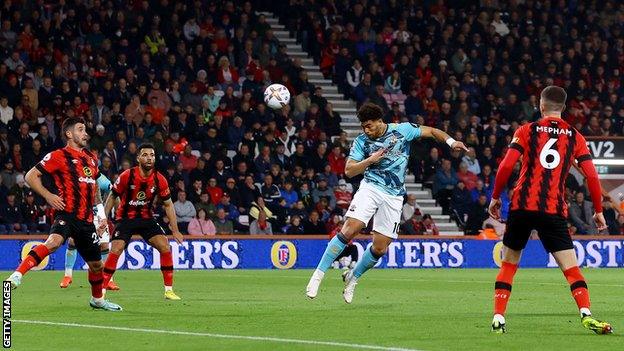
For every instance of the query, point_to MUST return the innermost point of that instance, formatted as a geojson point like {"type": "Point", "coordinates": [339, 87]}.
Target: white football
{"type": "Point", "coordinates": [276, 96]}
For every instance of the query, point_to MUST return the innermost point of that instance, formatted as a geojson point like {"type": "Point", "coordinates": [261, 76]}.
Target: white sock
{"type": "Point", "coordinates": [318, 274]}
{"type": "Point", "coordinates": [168, 288]}
{"type": "Point", "coordinates": [98, 300]}
{"type": "Point", "coordinates": [69, 272]}
{"type": "Point", "coordinates": [499, 318]}
{"type": "Point", "coordinates": [585, 311]}
{"type": "Point", "coordinates": [17, 274]}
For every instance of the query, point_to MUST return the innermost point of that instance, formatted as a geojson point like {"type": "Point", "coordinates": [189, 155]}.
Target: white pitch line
{"type": "Point", "coordinates": [221, 336]}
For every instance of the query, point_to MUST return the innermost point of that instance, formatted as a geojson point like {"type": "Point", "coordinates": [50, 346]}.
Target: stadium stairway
{"type": "Point", "coordinates": [350, 124]}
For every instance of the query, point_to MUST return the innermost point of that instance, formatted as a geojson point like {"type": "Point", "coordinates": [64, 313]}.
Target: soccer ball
{"type": "Point", "coordinates": [276, 96]}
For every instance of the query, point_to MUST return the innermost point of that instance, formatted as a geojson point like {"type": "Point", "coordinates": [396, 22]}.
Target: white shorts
{"type": "Point", "coordinates": [370, 202]}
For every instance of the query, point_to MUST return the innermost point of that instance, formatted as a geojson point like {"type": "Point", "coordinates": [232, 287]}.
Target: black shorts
{"type": "Point", "coordinates": [85, 237]}
{"type": "Point", "coordinates": [552, 230]}
{"type": "Point", "coordinates": [146, 228]}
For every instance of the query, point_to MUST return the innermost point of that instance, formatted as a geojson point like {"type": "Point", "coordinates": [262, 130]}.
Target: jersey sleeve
{"type": "Point", "coordinates": [357, 150]}
{"type": "Point", "coordinates": [581, 151]}
{"type": "Point", "coordinates": [50, 162]}
{"type": "Point", "coordinates": [410, 131]}
{"type": "Point", "coordinates": [163, 188]}
{"type": "Point", "coordinates": [103, 183]}
{"type": "Point", "coordinates": [519, 141]}
{"type": "Point", "coordinates": [119, 187]}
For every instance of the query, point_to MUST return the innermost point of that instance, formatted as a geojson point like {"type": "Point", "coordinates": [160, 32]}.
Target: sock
{"type": "Point", "coordinates": [35, 256]}
{"type": "Point", "coordinates": [579, 288]}
{"type": "Point", "coordinates": [96, 280]}
{"type": "Point", "coordinates": [70, 260]}
{"type": "Point", "coordinates": [368, 261]}
{"type": "Point", "coordinates": [109, 268]}
{"type": "Point", "coordinates": [104, 254]}
{"type": "Point", "coordinates": [502, 287]}
{"type": "Point", "coordinates": [166, 267]}
{"type": "Point", "coordinates": [334, 249]}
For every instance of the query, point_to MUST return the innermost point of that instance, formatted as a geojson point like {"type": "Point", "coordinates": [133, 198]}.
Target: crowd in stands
{"type": "Point", "coordinates": [188, 76]}
{"type": "Point", "coordinates": [475, 72]}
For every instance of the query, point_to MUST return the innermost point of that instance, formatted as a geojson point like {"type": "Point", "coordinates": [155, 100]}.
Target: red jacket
{"type": "Point", "coordinates": [232, 71]}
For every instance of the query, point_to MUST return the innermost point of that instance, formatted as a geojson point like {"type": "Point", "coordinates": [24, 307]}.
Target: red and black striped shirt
{"type": "Point", "coordinates": [74, 173]}
{"type": "Point", "coordinates": [137, 194]}
{"type": "Point", "coordinates": [548, 148]}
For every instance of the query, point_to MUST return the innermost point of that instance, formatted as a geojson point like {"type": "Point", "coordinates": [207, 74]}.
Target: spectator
{"type": "Point", "coordinates": [322, 190]}
{"type": "Point", "coordinates": [11, 219]}
{"type": "Point", "coordinates": [295, 227]}
{"type": "Point", "coordinates": [261, 226]}
{"type": "Point", "coordinates": [222, 224]}
{"type": "Point", "coordinates": [185, 211]}
{"type": "Point", "coordinates": [409, 208]}
{"type": "Point", "coordinates": [430, 226]}
{"type": "Point", "coordinates": [201, 224]}
{"type": "Point", "coordinates": [444, 183]}
{"type": "Point", "coordinates": [289, 194]}
{"type": "Point", "coordinates": [313, 225]}
{"type": "Point", "coordinates": [468, 178]}
{"type": "Point", "coordinates": [471, 161]}
{"type": "Point", "coordinates": [581, 214]}
{"type": "Point", "coordinates": [214, 190]}
{"type": "Point", "coordinates": [478, 214]}
{"type": "Point", "coordinates": [205, 204]}
{"type": "Point", "coordinates": [414, 225]}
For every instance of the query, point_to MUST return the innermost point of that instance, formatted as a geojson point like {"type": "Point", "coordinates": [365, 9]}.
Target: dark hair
{"type": "Point", "coordinates": [144, 146]}
{"type": "Point", "coordinates": [553, 98]}
{"type": "Point", "coordinates": [70, 123]}
{"type": "Point", "coordinates": [370, 112]}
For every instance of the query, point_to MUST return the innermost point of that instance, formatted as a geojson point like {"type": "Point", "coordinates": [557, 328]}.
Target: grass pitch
{"type": "Point", "coordinates": [267, 310]}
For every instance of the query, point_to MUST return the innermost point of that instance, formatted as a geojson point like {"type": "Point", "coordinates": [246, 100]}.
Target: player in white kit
{"type": "Point", "coordinates": [382, 154]}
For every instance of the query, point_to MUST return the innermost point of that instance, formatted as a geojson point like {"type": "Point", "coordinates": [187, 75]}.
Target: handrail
{"type": "Point", "coordinates": [311, 237]}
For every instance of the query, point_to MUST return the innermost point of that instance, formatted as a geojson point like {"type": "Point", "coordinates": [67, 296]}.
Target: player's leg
{"type": "Point", "coordinates": [559, 244]}
{"type": "Point", "coordinates": [502, 286]}
{"type": "Point", "coordinates": [350, 229]}
{"type": "Point", "coordinates": [362, 208]}
{"type": "Point", "coordinates": [59, 231]}
{"type": "Point", "coordinates": [161, 243]}
{"type": "Point", "coordinates": [104, 251]}
{"type": "Point", "coordinates": [87, 245]}
{"type": "Point", "coordinates": [117, 246]}
{"type": "Point", "coordinates": [369, 259]}
{"type": "Point", "coordinates": [385, 230]}
{"type": "Point", "coordinates": [96, 279]}
{"type": "Point", "coordinates": [517, 233]}
{"type": "Point", "coordinates": [70, 261]}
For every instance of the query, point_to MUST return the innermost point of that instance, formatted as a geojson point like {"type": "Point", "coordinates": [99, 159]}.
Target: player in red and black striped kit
{"type": "Point", "coordinates": [74, 171]}
{"type": "Point", "coordinates": [137, 188]}
{"type": "Point", "coordinates": [548, 147]}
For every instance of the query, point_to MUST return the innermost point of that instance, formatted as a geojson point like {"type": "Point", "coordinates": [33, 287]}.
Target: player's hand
{"type": "Point", "coordinates": [179, 238]}
{"type": "Point", "coordinates": [494, 209]}
{"type": "Point", "coordinates": [377, 155]}
{"type": "Point", "coordinates": [102, 226]}
{"type": "Point", "coordinates": [458, 145]}
{"type": "Point", "coordinates": [56, 202]}
{"type": "Point", "coordinates": [600, 221]}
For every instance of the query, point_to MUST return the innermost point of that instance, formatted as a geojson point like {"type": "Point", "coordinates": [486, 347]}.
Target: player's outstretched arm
{"type": "Point", "coordinates": [595, 190]}
{"type": "Point", "coordinates": [502, 177]}
{"type": "Point", "coordinates": [353, 167]}
{"type": "Point", "coordinates": [33, 178]}
{"type": "Point", "coordinates": [111, 200]}
{"type": "Point", "coordinates": [442, 137]}
{"type": "Point", "coordinates": [173, 222]}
